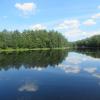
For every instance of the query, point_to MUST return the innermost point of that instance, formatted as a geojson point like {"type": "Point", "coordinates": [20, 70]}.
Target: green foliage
{"type": "Point", "coordinates": [91, 42]}
{"type": "Point", "coordinates": [32, 39]}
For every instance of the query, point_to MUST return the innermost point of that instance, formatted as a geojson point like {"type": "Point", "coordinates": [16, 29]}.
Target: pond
{"type": "Point", "coordinates": [50, 75]}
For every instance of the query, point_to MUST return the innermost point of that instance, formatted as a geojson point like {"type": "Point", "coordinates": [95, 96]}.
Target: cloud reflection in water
{"type": "Point", "coordinates": [28, 87]}
{"type": "Point", "coordinates": [70, 69]}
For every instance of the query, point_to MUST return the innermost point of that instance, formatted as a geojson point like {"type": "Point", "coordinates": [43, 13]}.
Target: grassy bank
{"type": "Point", "coordinates": [27, 49]}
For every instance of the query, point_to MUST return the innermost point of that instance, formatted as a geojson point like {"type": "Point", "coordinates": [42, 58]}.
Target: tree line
{"type": "Point", "coordinates": [91, 42]}
{"type": "Point", "coordinates": [32, 39]}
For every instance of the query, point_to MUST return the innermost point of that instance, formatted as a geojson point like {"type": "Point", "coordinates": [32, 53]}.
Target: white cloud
{"type": "Point", "coordinates": [69, 28]}
{"type": "Point", "coordinates": [37, 27]}
{"type": "Point", "coordinates": [72, 29]}
{"type": "Point", "coordinates": [89, 34]}
{"type": "Point", "coordinates": [26, 8]}
{"type": "Point", "coordinates": [68, 24]}
{"type": "Point", "coordinates": [96, 16]}
{"type": "Point", "coordinates": [89, 22]}
{"type": "Point", "coordinates": [74, 35]}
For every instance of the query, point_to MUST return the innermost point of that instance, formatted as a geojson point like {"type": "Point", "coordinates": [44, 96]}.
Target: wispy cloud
{"type": "Point", "coordinates": [68, 24]}
{"type": "Point", "coordinates": [74, 29]}
{"type": "Point", "coordinates": [89, 22]}
{"type": "Point", "coordinates": [37, 27]}
{"type": "Point", "coordinates": [96, 16]}
{"type": "Point", "coordinates": [69, 27]}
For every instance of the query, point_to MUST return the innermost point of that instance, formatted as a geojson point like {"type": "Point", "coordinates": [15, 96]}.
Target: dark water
{"type": "Point", "coordinates": [50, 75]}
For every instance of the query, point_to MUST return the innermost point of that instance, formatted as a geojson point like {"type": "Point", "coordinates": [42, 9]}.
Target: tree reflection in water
{"type": "Point", "coordinates": [32, 59]}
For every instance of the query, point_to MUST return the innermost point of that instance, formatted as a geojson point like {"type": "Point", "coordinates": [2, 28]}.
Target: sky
{"type": "Point", "coordinates": [75, 19]}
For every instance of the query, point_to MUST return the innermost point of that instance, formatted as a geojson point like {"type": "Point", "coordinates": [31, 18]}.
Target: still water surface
{"type": "Point", "coordinates": [50, 75]}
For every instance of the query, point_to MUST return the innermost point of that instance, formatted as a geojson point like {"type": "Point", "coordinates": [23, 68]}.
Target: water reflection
{"type": "Point", "coordinates": [69, 68]}
{"type": "Point", "coordinates": [77, 62]}
{"type": "Point", "coordinates": [95, 53]}
{"type": "Point", "coordinates": [50, 75]}
{"type": "Point", "coordinates": [90, 70]}
{"type": "Point", "coordinates": [32, 59]}
{"type": "Point", "coordinates": [28, 87]}
{"type": "Point", "coordinates": [97, 75]}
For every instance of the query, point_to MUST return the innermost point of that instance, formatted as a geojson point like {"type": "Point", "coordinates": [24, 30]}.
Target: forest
{"type": "Point", "coordinates": [32, 39]}
{"type": "Point", "coordinates": [91, 42]}
{"type": "Point", "coordinates": [43, 39]}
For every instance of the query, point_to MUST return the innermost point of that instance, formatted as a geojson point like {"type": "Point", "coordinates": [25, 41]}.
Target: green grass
{"type": "Point", "coordinates": [27, 49]}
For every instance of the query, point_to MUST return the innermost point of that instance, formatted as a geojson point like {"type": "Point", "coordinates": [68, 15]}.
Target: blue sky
{"type": "Point", "coordinates": [75, 19]}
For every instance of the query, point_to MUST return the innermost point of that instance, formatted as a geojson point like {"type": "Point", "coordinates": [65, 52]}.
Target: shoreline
{"type": "Point", "coordinates": [27, 49]}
